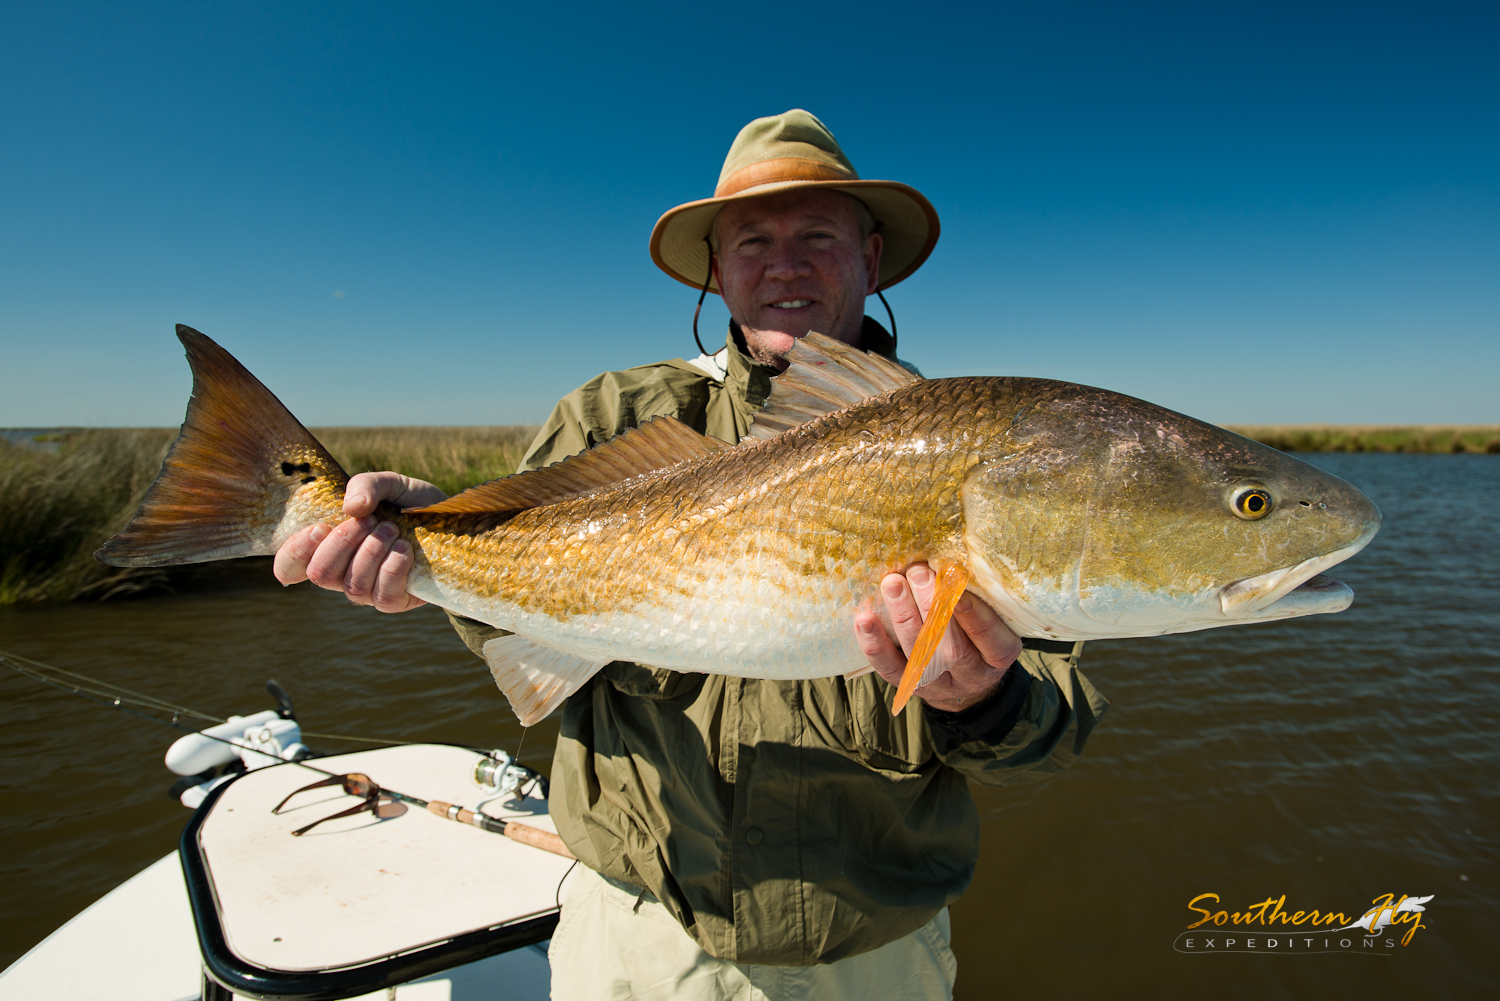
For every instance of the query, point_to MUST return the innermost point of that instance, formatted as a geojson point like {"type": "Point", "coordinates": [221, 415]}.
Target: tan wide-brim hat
{"type": "Point", "coordinates": [786, 151]}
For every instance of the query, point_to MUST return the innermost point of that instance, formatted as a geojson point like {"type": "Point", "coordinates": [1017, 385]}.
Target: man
{"type": "Point", "coordinates": [750, 838]}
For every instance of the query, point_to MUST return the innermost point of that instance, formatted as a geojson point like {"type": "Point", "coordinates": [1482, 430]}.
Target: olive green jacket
{"type": "Point", "coordinates": [782, 822]}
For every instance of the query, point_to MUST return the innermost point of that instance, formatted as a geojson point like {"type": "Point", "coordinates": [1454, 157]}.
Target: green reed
{"type": "Point", "coordinates": [1374, 438]}
{"type": "Point", "coordinates": [62, 497]}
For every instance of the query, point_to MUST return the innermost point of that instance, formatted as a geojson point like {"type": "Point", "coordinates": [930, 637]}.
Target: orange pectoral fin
{"type": "Point", "coordinates": [951, 581]}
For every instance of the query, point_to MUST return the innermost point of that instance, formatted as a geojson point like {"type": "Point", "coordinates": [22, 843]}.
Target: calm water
{"type": "Point", "coordinates": [1330, 759]}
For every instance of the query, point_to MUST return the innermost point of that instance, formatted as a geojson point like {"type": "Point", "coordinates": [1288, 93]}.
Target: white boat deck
{"type": "Point", "coordinates": [349, 892]}
{"type": "Point", "coordinates": [136, 943]}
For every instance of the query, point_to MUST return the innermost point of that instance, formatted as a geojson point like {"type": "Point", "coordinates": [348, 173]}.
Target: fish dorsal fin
{"type": "Point", "coordinates": [824, 375]}
{"type": "Point", "coordinates": [656, 444]}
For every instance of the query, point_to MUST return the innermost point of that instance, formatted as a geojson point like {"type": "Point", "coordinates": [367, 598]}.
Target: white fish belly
{"type": "Point", "coordinates": [717, 620]}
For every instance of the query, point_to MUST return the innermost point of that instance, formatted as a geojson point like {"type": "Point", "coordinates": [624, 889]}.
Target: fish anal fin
{"type": "Point", "coordinates": [535, 678]}
{"type": "Point", "coordinates": [656, 444]}
{"type": "Point", "coordinates": [824, 375]}
{"type": "Point", "coordinates": [952, 578]}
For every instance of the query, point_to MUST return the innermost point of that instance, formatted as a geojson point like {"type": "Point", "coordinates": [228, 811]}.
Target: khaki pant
{"type": "Point", "coordinates": [613, 944]}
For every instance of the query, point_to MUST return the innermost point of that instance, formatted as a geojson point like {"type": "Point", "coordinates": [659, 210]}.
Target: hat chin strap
{"type": "Point", "coordinates": [888, 314]}
{"type": "Point", "coordinates": [707, 279]}
{"type": "Point", "coordinates": [880, 225]}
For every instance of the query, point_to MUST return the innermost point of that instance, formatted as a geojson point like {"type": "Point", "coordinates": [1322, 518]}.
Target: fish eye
{"type": "Point", "coordinates": [1250, 503]}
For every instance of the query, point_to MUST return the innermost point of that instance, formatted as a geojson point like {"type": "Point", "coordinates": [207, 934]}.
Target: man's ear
{"type": "Point", "coordinates": [873, 246]}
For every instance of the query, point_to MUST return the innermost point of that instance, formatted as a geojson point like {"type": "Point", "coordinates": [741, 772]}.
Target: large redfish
{"type": "Point", "coordinates": [1075, 513]}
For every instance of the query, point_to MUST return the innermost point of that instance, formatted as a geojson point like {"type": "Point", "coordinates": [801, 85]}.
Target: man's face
{"type": "Point", "coordinates": [793, 262]}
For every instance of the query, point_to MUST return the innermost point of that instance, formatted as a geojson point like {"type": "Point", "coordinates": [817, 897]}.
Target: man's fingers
{"type": "Point", "coordinates": [366, 490]}
{"type": "Point", "coordinates": [980, 647]}
{"type": "Point", "coordinates": [363, 492]}
{"type": "Point", "coordinates": [362, 556]}
{"type": "Point", "coordinates": [292, 558]}
{"type": "Point", "coordinates": [901, 603]}
{"type": "Point", "coordinates": [973, 655]}
{"type": "Point", "coordinates": [997, 645]}
{"type": "Point", "coordinates": [330, 563]}
{"type": "Point", "coordinates": [875, 643]}
{"type": "Point", "coordinates": [364, 566]}
{"type": "Point", "coordinates": [390, 583]}
{"type": "Point", "coordinates": [922, 581]}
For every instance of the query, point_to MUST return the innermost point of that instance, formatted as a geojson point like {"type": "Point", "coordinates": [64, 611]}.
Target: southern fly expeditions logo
{"type": "Point", "coordinates": [1268, 927]}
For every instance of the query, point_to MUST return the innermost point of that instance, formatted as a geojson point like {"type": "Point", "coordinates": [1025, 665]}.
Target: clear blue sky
{"type": "Point", "coordinates": [1245, 211]}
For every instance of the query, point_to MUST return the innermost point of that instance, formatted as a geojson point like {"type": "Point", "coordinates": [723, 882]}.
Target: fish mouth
{"type": "Point", "coordinates": [1296, 590]}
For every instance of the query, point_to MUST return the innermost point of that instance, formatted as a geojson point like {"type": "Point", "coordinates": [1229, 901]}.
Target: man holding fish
{"type": "Point", "coordinates": [760, 813]}
{"type": "Point", "coordinates": [751, 838]}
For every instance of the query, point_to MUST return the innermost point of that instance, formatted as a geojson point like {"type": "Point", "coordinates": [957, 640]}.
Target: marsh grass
{"type": "Point", "coordinates": [60, 501]}
{"type": "Point", "coordinates": [1476, 438]}
{"type": "Point", "coordinates": [64, 493]}
{"type": "Point", "coordinates": [450, 457]}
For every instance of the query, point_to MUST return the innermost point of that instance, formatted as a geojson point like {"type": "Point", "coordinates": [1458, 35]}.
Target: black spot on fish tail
{"type": "Point", "coordinates": [308, 479]}
{"type": "Point", "coordinates": [287, 469]}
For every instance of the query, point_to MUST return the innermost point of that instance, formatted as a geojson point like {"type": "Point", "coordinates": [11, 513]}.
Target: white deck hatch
{"type": "Point", "coordinates": [359, 889]}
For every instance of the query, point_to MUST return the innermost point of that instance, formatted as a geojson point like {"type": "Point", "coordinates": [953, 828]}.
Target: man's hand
{"type": "Point", "coordinates": [976, 650]}
{"type": "Point", "coordinates": [362, 557]}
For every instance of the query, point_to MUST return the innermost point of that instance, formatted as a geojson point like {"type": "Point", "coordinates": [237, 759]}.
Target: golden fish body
{"type": "Point", "coordinates": [1076, 513]}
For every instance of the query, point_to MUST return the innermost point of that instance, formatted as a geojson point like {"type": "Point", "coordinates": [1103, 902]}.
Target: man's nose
{"type": "Point", "coordinates": [787, 261]}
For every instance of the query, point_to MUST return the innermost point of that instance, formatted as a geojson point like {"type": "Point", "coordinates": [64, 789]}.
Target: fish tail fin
{"type": "Point", "coordinates": [241, 478]}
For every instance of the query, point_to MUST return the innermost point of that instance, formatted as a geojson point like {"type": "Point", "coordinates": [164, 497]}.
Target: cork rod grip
{"type": "Point", "coordinates": [533, 836]}
{"type": "Point", "coordinates": [538, 838]}
{"type": "Point", "coordinates": [451, 812]}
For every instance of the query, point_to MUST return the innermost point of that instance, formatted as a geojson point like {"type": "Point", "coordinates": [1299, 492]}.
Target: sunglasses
{"type": "Point", "coordinates": [354, 784]}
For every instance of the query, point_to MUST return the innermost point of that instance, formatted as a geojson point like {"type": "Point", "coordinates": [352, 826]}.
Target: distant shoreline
{"type": "Point", "coordinates": [1472, 439]}
{"type": "Point", "coordinates": [64, 491]}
